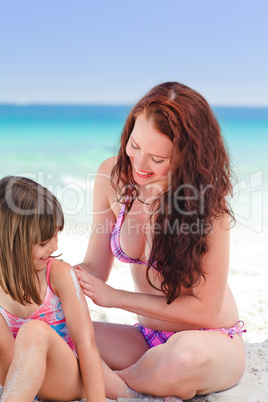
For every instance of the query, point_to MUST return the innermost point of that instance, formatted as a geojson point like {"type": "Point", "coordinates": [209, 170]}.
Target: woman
{"type": "Point", "coordinates": [161, 206]}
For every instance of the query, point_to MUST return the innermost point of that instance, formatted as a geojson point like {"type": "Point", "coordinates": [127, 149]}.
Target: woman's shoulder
{"type": "Point", "coordinates": [107, 165]}
{"type": "Point", "coordinates": [103, 189]}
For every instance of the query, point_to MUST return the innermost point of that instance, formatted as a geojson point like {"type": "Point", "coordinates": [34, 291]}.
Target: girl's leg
{"type": "Point", "coordinates": [42, 364]}
{"type": "Point", "coordinates": [190, 363]}
{"type": "Point", "coordinates": [120, 346]}
{"type": "Point", "coordinates": [7, 346]}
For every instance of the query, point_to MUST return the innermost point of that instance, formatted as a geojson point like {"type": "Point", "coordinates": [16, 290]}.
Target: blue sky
{"type": "Point", "coordinates": [103, 51]}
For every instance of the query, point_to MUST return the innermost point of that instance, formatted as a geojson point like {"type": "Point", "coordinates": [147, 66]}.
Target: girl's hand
{"type": "Point", "coordinates": [102, 294]}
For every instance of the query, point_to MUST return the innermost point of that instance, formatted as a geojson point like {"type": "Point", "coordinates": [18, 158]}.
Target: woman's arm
{"type": "Point", "coordinates": [99, 258]}
{"type": "Point", "coordinates": [201, 307]}
{"type": "Point", "coordinates": [64, 284]}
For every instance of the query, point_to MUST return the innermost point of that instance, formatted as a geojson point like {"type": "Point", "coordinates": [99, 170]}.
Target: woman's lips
{"type": "Point", "coordinates": [142, 174]}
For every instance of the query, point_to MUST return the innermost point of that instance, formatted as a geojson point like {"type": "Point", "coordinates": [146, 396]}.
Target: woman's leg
{"type": "Point", "coordinates": [190, 363]}
{"type": "Point", "coordinates": [120, 346]}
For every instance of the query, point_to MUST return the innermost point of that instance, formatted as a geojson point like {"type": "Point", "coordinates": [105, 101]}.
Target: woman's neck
{"type": "Point", "coordinates": [150, 193]}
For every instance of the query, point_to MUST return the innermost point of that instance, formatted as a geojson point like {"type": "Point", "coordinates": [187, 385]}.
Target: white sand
{"type": "Point", "coordinates": [248, 279]}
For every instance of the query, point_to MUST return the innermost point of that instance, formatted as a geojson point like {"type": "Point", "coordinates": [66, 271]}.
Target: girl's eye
{"type": "Point", "coordinates": [44, 243]}
{"type": "Point", "coordinates": [157, 160]}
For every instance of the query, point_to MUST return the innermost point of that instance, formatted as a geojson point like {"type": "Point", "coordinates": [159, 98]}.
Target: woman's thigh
{"type": "Point", "coordinates": [120, 346]}
{"type": "Point", "coordinates": [191, 362]}
{"type": "Point", "coordinates": [218, 361]}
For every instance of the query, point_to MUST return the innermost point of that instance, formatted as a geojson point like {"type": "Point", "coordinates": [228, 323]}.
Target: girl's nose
{"type": "Point", "coordinates": [54, 243]}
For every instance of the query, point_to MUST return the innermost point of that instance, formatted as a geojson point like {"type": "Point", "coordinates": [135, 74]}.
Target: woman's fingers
{"type": "Point", "coordinates": [82, 275]}
{"type": "Point", "coordinates": [78, 268]}
{"type": "Point", "coordinates": [86, 289]}
{"type": "Point", "coordinates": [102, 294]}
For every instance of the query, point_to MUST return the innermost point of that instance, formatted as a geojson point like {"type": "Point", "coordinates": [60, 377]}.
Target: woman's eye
{"type": "Point", "coordinates": [134, 145]}
{"type": "Point", "coordinates": [43, 244]}
{"type": "Point", "coordinates": [157, 160]}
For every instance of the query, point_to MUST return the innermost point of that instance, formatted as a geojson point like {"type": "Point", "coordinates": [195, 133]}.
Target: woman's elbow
{"type": "Point", "coordinates": [94, 271]}
{"type": "Point", "coordinates": [210, 314]}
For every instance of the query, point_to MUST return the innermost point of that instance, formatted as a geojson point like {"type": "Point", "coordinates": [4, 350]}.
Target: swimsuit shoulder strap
{"type": "Point", "coordinates": [48, 272]}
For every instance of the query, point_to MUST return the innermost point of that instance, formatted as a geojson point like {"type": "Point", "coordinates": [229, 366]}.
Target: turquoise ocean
{"type": "Point", "coordinates": [62, 146]}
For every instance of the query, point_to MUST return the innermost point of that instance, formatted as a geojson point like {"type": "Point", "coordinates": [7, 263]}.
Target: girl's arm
{"type": "Point", "coordinates": [200, 308]}
{"type": "Point", "coordinates": [64, 284]}
{"type": "Point", "coordinates": [99, 258]}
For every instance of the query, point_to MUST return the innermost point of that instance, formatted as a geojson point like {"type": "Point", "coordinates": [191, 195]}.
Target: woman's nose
{"type": "Point", "coordinates": [140, 161]}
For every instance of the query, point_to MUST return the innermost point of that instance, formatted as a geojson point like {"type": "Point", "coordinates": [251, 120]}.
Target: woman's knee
{"type": "Point", "coordinates": [181, 357]}
{"type": "Point", "coordinates": [177, 369]}
{"type": "Point", "coordinates": [177, 365]}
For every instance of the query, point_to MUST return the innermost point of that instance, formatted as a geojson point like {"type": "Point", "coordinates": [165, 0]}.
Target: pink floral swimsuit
{"type": "Point", "coordinates": [50, 312]}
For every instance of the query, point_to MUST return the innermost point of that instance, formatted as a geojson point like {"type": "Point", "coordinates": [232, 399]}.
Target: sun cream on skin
{"type": "Point", "coordinates": [78, 290]}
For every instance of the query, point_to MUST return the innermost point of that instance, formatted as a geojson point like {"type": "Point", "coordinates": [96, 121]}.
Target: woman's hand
{"type": "Point", "coordinates": [102, 294]}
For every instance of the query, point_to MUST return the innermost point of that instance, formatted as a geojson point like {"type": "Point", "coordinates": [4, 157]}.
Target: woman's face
{"type": "Point", "coordinates": [149, 152]}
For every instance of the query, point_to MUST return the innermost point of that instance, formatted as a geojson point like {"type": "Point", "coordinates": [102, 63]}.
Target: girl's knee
{"type": "Point", "coordinates": [6, 335]}
{"type": "Point", "coordinates": [33, 332]}
{"type": "Point", "coordinates": [7, 345]}
{"type": "Point", "coordinates": [7, 341]}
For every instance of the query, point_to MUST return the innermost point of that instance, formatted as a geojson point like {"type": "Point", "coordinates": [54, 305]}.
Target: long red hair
{"type": "Point", "coordinates": [198, 184]}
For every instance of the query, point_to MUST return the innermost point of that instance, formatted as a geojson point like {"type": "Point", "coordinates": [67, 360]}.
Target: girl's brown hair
{"type": "Point", "coordinates": [198, 183]}
{"type": "Point", "coordinates": [29, 214]}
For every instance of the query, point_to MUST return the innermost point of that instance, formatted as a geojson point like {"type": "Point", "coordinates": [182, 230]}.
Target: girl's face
{"type": "Point", "coordinates": [149, 152]}
{"type": "Point", "coordinates": [41, 252]}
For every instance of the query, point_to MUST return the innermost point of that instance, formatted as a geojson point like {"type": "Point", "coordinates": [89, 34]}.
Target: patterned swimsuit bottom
{"type": "Point", "coordinates": [154, 338]}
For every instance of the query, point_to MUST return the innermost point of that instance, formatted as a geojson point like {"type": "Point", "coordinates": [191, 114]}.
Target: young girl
{"type": "Point", "coordinates": [47, 344]}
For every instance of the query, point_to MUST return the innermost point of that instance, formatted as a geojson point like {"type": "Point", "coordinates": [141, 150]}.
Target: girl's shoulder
{"type": "Point", "coordinates": [59, 270]}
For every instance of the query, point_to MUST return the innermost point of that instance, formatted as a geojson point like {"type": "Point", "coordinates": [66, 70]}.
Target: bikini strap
{"type": "Point", "coordinates": [238, 328]}
{"type": "Point", "coordinates": [121, 213]}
